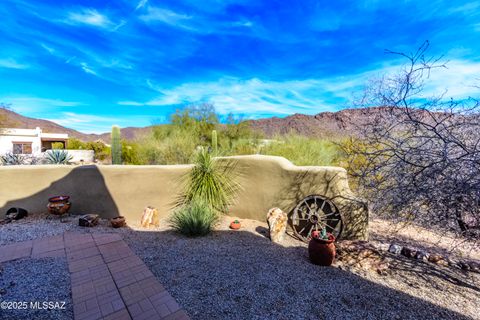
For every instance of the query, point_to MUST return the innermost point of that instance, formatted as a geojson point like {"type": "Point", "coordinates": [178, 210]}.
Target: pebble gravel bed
{"type": "Point", "coordinates": [35, 289]}
{"type": "Point", "coordinates": [242, 275]}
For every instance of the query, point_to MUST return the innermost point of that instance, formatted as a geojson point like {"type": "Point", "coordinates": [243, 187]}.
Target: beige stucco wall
{"type": "Point", "coordinates": [125, 190]}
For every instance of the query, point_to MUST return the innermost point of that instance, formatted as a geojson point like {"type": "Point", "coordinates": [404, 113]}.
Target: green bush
{"type": "Point", "coordinates": [302, 151]}
{"type": "Point", "coordinates": [194, 219]}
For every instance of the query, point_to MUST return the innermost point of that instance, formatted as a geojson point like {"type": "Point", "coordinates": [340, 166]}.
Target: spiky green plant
{"type": "Point", "coordinates": [194, 219]}
{"type": "Point", "coordinates": [57, 156]}
{"type": "Point", "coordinates": [214, 142]}
{"type": "Point", "coordinates": [212, 180]}
{"type": "Point", "coordinates": [116, 145]}
{"type": "Point", "coordinates": [11, 159]}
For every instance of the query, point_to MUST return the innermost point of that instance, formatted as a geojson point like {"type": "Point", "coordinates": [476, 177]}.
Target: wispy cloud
{"type": "Point", "coordinates": [166, 16]}
{"type": "Point", "coordinates": [85, 67]}
{"type": "Point", "coordinates": [84, 122]}
{"type": "Point", "coordinates": [141, 4]}
{"type": "Point", "coordinates": [29, 104]}
{"type": "Point", "coordinates": [89, 17]}
{"type": "Point", "coordinates": [10, 63]}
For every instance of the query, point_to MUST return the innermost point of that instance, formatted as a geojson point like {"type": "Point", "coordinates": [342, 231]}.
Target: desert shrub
{"type": "Point", "coordinates": [57, 156]}
{"type": "Point", "coordinates": [302, 150]}
{"type": "Point", "coordinates": [100, 149]}
{"type": "Point", "coordinates": [130, 152]}
{"type": "Point", "coordinates": [57, 145]}
{"type": "Point", "coordinates": [196, 218]}
{"type": "Point", "coordinates": [212, 180]}
{"type": "Point", "coordinates": [165, 145]}
{"type": "Point", "coordinates": [76, 144]}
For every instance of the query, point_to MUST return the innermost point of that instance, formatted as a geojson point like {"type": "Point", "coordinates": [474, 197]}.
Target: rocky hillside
{"type": "Point", "coordinates": [324, 124]}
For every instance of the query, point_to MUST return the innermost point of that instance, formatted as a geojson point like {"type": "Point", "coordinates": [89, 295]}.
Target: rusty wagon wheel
{"type": "Point", "coordinates": [315, 213]}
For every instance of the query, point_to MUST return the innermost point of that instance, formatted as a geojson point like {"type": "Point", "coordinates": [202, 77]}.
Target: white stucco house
{"type": "Point", "coordinates": [34, 142]}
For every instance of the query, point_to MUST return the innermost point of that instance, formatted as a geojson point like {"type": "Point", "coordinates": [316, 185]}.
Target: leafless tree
{"type": "Point", "coordinates": [418, 157]}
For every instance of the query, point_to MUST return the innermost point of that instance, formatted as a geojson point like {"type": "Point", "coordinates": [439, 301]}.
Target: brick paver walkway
{"type": "Point", "coordinates": [108, 280]}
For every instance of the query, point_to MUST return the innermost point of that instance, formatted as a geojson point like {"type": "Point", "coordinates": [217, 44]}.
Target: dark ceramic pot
{"type": "Point", "coordinates": [118, 222]}
{"type": "Point", "coordinates": [322, 252]}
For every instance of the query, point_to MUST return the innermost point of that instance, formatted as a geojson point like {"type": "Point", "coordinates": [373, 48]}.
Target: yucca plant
{"type": "Point", "coordinates": [11, 159]}
{"type": "Point", "coordinates": [194, 219]}
{"type": "Point", "coordinates": [57, 156]}
{"type": "Point", "coordinates": [211, 180]}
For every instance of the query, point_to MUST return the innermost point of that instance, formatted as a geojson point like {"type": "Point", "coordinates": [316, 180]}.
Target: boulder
{"type": "Point", "coordinates": [277, 223]}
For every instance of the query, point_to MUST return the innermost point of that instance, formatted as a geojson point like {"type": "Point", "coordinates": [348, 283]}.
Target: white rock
{"type": "Point", "coordinates": [277, 223]}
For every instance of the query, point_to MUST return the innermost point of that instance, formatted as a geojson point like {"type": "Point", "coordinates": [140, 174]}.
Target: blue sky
{"type": "Point", "coordinates": [90, 64]}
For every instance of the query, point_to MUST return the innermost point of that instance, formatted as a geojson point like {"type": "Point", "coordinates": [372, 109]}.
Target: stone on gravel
{"type": "Point", "coordinates": [277, 223]}
{"type": "Point", "coordinates": [408, 252]}
{"type": "Point", "coordinates": [435, 258]}
{"type": "Point", "coordinates": [421, 255]}
{"type": "Point", "coordinates": [395, 249]}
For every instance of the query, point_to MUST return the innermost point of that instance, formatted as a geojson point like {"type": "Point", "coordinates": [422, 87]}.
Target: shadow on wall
{"type": "Point", "coordinates": [84, 182]}
{"type": "Point", "coordinates": [354, 210]}
{"type": "Point", "coordinates": [252, 274]}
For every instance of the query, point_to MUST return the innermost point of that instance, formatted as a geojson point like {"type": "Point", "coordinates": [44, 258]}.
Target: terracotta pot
{"type": "Point", "coordinates": [118, 222]}
{"type": "Point", "coordinates": [235, 225]}
{"type": "Point", "coordinates": [322, 252]}
{"type": "Point", "coordinates": [58, 205]}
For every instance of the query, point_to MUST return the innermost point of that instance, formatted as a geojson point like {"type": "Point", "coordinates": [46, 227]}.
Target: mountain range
{"type": "Point", "coordinates": [324, 124]}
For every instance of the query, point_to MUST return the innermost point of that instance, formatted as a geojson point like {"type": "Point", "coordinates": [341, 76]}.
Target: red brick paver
{"type": "Point", "coordinates": [108, 280]}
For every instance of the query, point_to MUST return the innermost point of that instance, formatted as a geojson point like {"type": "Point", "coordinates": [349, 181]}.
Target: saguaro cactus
{"type": "Point", "coordinates": [214, 142]}
{"type": "Point", "coordinates": [116, 146]}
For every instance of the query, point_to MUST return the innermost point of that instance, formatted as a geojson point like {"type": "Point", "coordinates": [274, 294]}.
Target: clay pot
{"type": "Point", "coordinates": [118, 222]}
{"type": "Point", "coordinates": [58, 205]}
{"type": "Point", "coordinates": [235, 225]}
{"type": "Point", "coordinates": [322, 252]}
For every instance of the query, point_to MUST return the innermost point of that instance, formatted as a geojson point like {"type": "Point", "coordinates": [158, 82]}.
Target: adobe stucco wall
{"type": "Point", "coordinates": [125, 190]}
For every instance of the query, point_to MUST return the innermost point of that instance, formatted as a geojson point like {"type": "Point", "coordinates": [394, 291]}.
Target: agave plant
{"type": "Point", "coordinates": [57, 156]}
{"type": "Point", "coordinates": [11, 159]}
{"type": "Point", "coordinates": [211, 180]}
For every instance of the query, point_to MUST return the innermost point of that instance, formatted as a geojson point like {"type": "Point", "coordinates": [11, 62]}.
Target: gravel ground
{"type": "Point", "coordinates": [242, 275]}
{"type": "Point", "coordinates": [27, 281]}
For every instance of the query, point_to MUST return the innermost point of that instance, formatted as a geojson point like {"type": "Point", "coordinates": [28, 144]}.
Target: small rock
{"type": "Point", "coordinates": [474, 266]}
{"type": "Point", "coordinates": [463, 265]}
{"type": "Point", "coordinates": [277, 223]}
{"type": "Point", "coordinates": [435, 258]}
{"type": "Point", "coordinates": [2, 291]}
{"type": "Point", "coordinates": [408, 252]}
{"type": "Point", "coordinates": [421, 255]}
{"type": "Point", "coordinates": [395, 249]}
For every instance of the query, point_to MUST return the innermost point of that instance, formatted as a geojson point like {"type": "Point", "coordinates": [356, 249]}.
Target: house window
{"type": "Point", "coordinates": [22, 147]}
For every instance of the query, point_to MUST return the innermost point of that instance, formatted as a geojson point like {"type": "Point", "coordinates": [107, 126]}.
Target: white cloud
{"type": "Point", "coordinates": [47, 48]}
{"type": "Point", "coordinates": [141, 4]}
{"type": "Point", "coordinates": [89, 17]}
{"type": "Point", "coordinates": [28, 104]}
{"type": "Point", "coordinates": [84, 122]}
{"type": "Point", "coordinates": [85, 67]}
{"type": "Point", "coordinates": [166, 16]}
{"type": "Point", "coordinates": [10, 63]}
